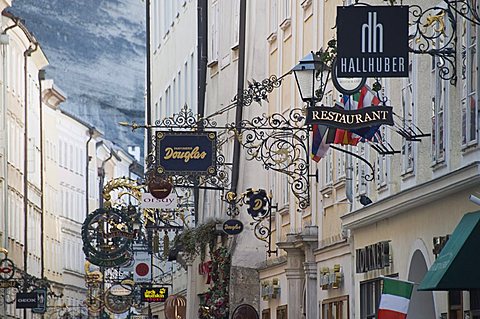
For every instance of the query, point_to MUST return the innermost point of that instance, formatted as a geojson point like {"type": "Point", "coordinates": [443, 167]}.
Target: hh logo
{"type": "Point", "coordinates": [372, 35]}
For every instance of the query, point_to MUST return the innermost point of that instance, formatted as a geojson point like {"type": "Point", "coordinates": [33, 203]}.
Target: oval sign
{"type": "Point", "coordinates": [232, 227]}
{"type": "Point", "coordinates": [120, 290]}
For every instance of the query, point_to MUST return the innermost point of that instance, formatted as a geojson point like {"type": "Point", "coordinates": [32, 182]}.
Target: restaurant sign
{"type": "Point", "coordinates": [186, 153]}
{"type": "Point", "coordinates": [350, 119]}
{"type": "Point", "coordinates": [372, 41]}
{"type": "Point", "coordinates": [371, 257]}
{"type": "Point", "coordinates": [154, 294]}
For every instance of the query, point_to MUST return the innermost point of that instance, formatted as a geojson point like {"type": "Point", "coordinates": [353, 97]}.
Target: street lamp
{"type": "Point", "coordinates": [311, 75]}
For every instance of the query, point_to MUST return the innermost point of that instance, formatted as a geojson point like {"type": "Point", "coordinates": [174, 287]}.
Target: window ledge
{"type": "Point", "coordinates": [407, 174]}
{"type": "Point", "coordinates": [439, 164]}
{"type": "Point", "coordinates": [285, 24]}
{"type": "Point", "coordinates": [306, 4]}
{"type": "Point", "coordinates": [212, 63]}
{"type": "Point", "coordinates": [272, 37]}
{"type": "Point", "coordinates": [469, 148]}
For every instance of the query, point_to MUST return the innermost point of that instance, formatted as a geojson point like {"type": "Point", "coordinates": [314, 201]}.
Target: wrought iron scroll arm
{"type": "Point", "coordinates": [372, 168]}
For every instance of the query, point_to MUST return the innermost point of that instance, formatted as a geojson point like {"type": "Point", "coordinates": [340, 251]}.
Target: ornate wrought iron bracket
{"type": "Point", "coordinates": [367, 177]}
{"type": "Point", "coordinates": [468, 9]}
{"type": "Point", "coordinates": [281, 143]}
{"type": "Point", "coordinates": [258, 91]}
{"type": "Point", "coordinates": [435, 34]}
{"type": "Point", "coordinates": [259, 207]}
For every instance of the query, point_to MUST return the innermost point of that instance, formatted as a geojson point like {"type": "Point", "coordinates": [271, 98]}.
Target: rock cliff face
{"type": "Point", "coordinates": [96, 51]}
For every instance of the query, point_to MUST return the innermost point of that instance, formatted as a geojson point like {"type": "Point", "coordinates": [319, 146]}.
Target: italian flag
{"type": "Point", "coordinates": [395, 299]}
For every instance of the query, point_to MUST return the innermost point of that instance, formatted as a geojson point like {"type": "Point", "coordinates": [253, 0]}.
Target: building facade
{"type": "Point", "coordinates": [417, 197]}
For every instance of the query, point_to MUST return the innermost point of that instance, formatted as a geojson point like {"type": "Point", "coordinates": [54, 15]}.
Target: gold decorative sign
{"type": "Point", "coordinates": [186, 153]}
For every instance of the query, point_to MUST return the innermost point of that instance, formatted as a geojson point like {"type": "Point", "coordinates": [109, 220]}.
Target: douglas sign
{"type": "Point", "coordinates": [372, 41]}
{"type": "Point", "coordinates": [186, 153]}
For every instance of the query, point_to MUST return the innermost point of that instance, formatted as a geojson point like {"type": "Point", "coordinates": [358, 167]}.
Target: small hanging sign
{"type": "Point", "coordinates": [232, 227]}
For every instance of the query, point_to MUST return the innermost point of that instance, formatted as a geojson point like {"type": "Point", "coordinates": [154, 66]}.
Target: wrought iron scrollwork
{"type": "Point", "coordinates": [185, 119]}
{"type": "Point", "coordinates": [435, 34]}
{"type": "Point", "coordinates": [469, 9]}
{"type": "Point", "coordinates": [281, 143]}
{"type": "Point", "coordinates": [258, 91]}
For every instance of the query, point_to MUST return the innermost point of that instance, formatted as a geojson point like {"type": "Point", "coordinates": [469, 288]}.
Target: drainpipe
{"type": "Point", "coordinates": [91, 130]}
{"type": "Point", "coordinates": [148, 81]}
{"type": "Point", "coordinates": [202, 61]}
{"type": "Point", "coordinates": [4, 41]}
{"type": "Point", "coordinates": [239, 107]}
{"type": "Point", "coordinates": [41, 77]}
{"type": "Point", "coordinates": [28, 52]}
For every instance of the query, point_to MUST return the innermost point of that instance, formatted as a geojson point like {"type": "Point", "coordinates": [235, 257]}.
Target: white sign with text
{"type": "Point", "coordinates": [148, 201]}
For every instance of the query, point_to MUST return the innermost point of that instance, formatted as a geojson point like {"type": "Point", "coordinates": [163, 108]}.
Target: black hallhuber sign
{"type": "Point", "coordinates": [186, 153]}
{"type": "Point", "coordinates": [350, 119]}
{"type": "Point", "coordinates": [372, 41]}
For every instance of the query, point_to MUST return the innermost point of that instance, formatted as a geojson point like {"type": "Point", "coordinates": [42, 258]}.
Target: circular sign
{"type": "Point", "coordinates": [160, 188]}
{"type": "Point", "coordinates": [257, 203]}
{"type": "Point", "coordinates": [142, 269]}
{"type": "Point", "coordinates": [232, 227]}
{"type": "Point", "coordinates": [346, 86]}
{"type": "Point", "coordinates": [7, 269]}
{"type": "Point", "coordinates": [117, 304]}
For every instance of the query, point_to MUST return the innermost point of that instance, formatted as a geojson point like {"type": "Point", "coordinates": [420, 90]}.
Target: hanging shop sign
{"type": "Point", "coordinates": [7, 269]}
{"type": "Point", "coordinates": [371, 257]}
{"type": "Point", "coordinates": [117, 304]}
{"type": "Point", "coordinates": [257, 202]}
{"type": "Point", "coordinates": [121, 290]}
{"type": "Point", "coordinates": [350, 119]}
{"type": "Point", "coordinates": [154, 294]}
{"type": "Point", "coordinates": [26, 300]}
{"type": "Point", "coordinates": [159, 188]}
{"type": "Point", "coordinates": [186, 153]}
{"type": "Point", "coordinates": [149, 201]}
{"type": "Point", "coordinates": [41, 301]}
{"type": "Point", "coordinates": [107, 235]}
{"type": "Point", "coordinates": [232, 227]}
{"type": "Point", "coordinates": [331, 278]}
{"type": "Point", "coordinates": [372, 41]}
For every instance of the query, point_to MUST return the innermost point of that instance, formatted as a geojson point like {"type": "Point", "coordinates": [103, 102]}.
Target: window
{"type": "Point", "coordinates": [340, 165]}
{"type": "Point", "coordinates": [370, 292]}
{"type": "Point", "coordinates": [381, 164]}
{"type": "Point", "coordinates": [214, 33]}
{"type": "Point", "coordinates": [286, 8]}
{"type": "Point", "coordinates": [475, 304]}
{"type": "Point", "coordinates": [360, 171]}
{"type": "Point", "coordinates": [455, 298]}
{"type": "Point", "coordinates": [266, 314]}
{"type": "Point", "coordinates": [439, 100]}
{"type": "Point", "coordinates": [282, 312]}
{"type": "Point", "coordinates": [408, 101]}
{"type": "Point", "coordinates": [273, 16]}
{"type": "Point", "coordinates": [328, 167]}
{"type": "Point", "coordinates": [470, 85]}
{"type": "Point", "coordinates": [236, 22]}
{"type": "Point", "coordinates": [335, 308]}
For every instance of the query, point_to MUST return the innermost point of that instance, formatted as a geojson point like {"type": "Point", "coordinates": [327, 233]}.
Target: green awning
{"type": "Point", "coordinates": [458, 265]}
